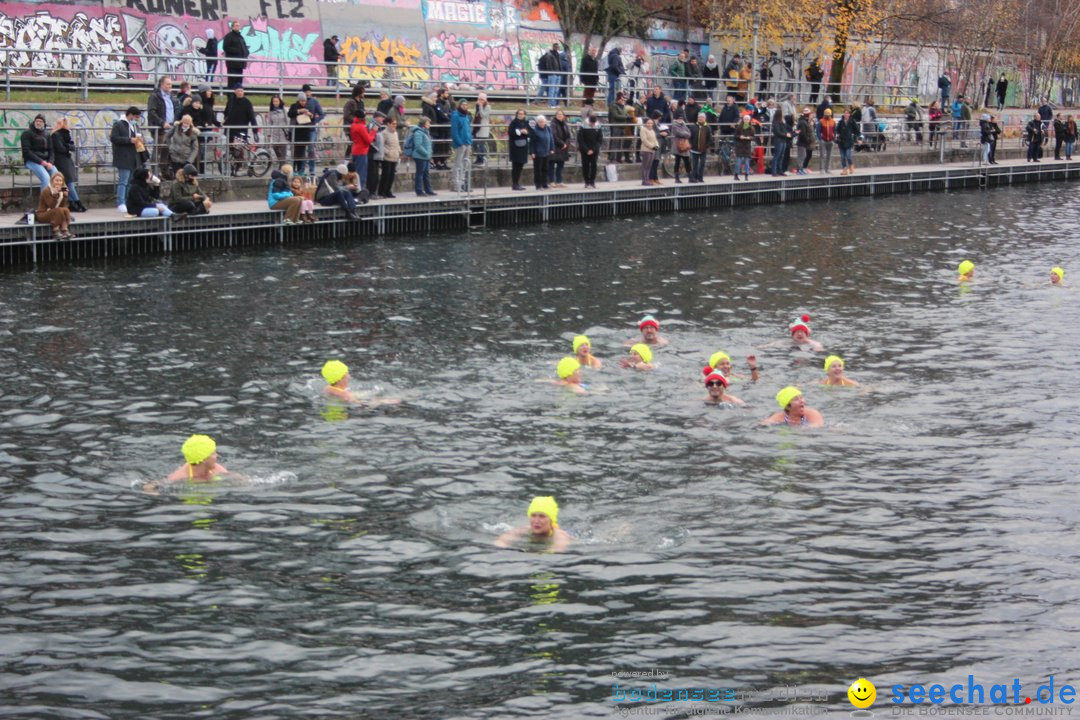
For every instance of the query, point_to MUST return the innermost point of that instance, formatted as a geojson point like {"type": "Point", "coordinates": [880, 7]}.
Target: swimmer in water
{"type": "Point", "coordinates": [716, 385]}
{"type": "Point", "coordinates": [834, 373]}
{"type": "Point", "coordinates": [640, 358]}
{"type": "Point", "coordinates": [793, 410]}
{"type": "Point", "coordinates": [966, 271]}
{"type": "Point", "coordinates": [200, 464]}
{"type": "Point", "coordinates": [650, 333]}
{"type": "Point", "coordinates": [543, 527]}
{"type": "Point", "coordinates": [583, 350]}
{"type": "Point", "coordinates": [336, 374]}
{"type": "Point", "coordinates": [1057, 276]}
{"type": "Point", "coordinates": [721, 362]}
{"type": "Point", "coordinates": [569, 372]}
{"type": "Point", "coordinates": [800, 337]}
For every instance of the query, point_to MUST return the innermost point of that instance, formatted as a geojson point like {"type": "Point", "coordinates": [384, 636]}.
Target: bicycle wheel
{"type": "Point", "coordinates": [261, 161]}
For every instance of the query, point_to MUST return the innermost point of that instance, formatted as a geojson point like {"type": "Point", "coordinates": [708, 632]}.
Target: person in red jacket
{"type": "Point", "coordinates": [361, 137]}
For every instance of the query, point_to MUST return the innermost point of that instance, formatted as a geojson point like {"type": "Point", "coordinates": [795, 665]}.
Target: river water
{"type": "Point", "coordinates": [928, 532]}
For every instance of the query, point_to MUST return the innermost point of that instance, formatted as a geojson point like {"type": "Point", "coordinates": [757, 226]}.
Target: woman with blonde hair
{"type": "Point", "coordinates": [53, 207]}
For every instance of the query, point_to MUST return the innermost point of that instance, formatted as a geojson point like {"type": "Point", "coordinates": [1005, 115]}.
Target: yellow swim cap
{"type": "Point", "coordinates": [965, 267]}
{"type": "Point", "coordinates": [785, 396]}
{"type": "Point", "coordinates": [717, 357]}
{"type": "Point", "coordinates": [545, 504]}
{"type": "Point", "coordinates": [580, 340]}
{"type": "Point", "coordinates": [1060, 272]}
{"type": "Point", "coordinates": [833, 359]}
{"type": "Point", "coordinates": [567, 367]}
{"type": "Point", "coordinates": [198, 448]}
{"type": "Point", "coordinates": [334, 370]}
{"type": "Point", "coordinates": [643, 350]}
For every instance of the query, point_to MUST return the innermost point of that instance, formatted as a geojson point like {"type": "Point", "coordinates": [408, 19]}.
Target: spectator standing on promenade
{"type": "Point", "coordinates": [710, 74]}
{"type": "Point", "coordinates": [331, 54]}
{"type": "Point", "coordinates": [185, 196]}
{"type": "Point", "coordinates": [162, 111]}
{"type": "Point", "coordinates": [210, 52]}
{"type": "Point", "coordinates": [1059, 135]}
{"type": "Point", "coordinates": [548, 67]}
{"type": "Point", "coordinates": [62, 149]}
{"type": "Point", "coordinates": [945, 88]}
{"type": "Point", "coordinates": [1070, 136]}
{"type": "Point", "coordinates": [385, 102]}
{"type": "Point", "coordinates": [637, 77]}
{"type": "Point", "coordinates": [826, 133]}
{"type": "Point", "coordinates": [276, 129]}
{"type": "Point", "coordinates": [764, 76]}
{"type": "Point", "coordinates": [986, 137]}
{"type": "Point", "coordinates": [517, 138]}
{"type": "Point", "coordinates": [621, 131]}
{"type": "Point", "coordinates": [1002, 88]}
{"type": "Point", "coordinates": [182, 144]}
{"type": "Point", "coordinates": [397, 114]}
{"type": "Point", "coordinates": [354, 105]}
{"type": "Point", "coordinates": [34, 143]}
{"type": "Point", "coordinates": [239, 117]}
{"type": "Point", "coordinates": [614, 71]}
{"type": "Point", "coordinates": [934, 123]}
{"type": "Point", "coordinates": [995, 133]}
{"type": "Point", "coordinates": [700, 142]}
{"type": "Point", "coordinates": [589, 74]}
{"type": "Point", "coordinates": [419, 147]}
{"type": "Point", "coordinates": [236, 53]}
{"type": "Point", "coordinates": [303, 136]}
{"type": "Point", "coordinates": [375, 152]}
{"type": "Point", "coordinates": [745, 134]}
{"type": "Point", "coordinates": [53, 207]}
{"type": "Point", "coordinates": [732, 76]}
{"type": "Point", "coordinates": [806, 134]}
{"type": "Point", "coordinates": [316, 108]}
{"type": "Point", "coordinates": [560, 151]}
{"type": "Point", "coordinates": [679, 71]}
{"type": "Point", "coordinates": [1046, 115]}
{"type": "Point", "coordinates": [362, 136]}
{"type": "Point", "coordinates": [391, 155]}
{"type": "Point", "coordinates": [989, 92]}
{"type": "Point", "coordinates": [814, 75]}
{"type": "Point", "coordinates": [461, 139]}
{"type": "Point", "coordinates": [965, 120]}
{"type": "Point", "coordinates": [781, 136]}
{"type": "Point", "coordinates": [649, 146]}
{"type": "Point", "coordinates": [391, 73]}
{"type": "Point", "coordinates": [680, 136]}
{"type": "Point", "coordinates": [913, 118]}
{"type": "Point", "coordinates": [125, 159]}
{"type": "Point", "coordinates": [727, 119]}
{"type": "Point", "coordinates": [870, 124]}
{"type": "Point", "coordinates": [1033, 138]}
{"type": "Point", "coordinates": [825, 104]}
{"type": "Point", "coordinates": [847, 130]}
{"type": "Point", "coordinates": [440, 129]}
{"type": "Point", "coordinates": [540, 147]}
{"type": "Point", "coordinates": [481, 128]}
{"type": "Point", "coordinates": [590, 139]}
{"type": "Point", "coordinates": [566, 70]}
{"type": "Point", "coordinates": [183, 95]}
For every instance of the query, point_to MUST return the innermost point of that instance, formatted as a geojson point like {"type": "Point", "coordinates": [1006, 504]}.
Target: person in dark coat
{"type": "Point", "coordinates": [700, 142]}
{"type": "Point", "coordinates": [440, 129]}
{"type": "Point", "coordinates": [210, 51]}
{"type": "Point", "coordinates": [1033, 138]}
{"type": "Point", "coordinates": [1002, 88]}
{"type": "Point", "coordinates": [560, 153]}
{"type": "Point", "coordinates": [331, 55]}
{"type": "Point", "coordinates": [541, 145]}
{"type": "Point", "coordinates": [614, 71]}
{"type": "Point", "coordinates": [63, 150]}
{"type": "Point", "coordinates": [590, 140]}
{"type": "Point", "coordinates": [711, 76]}
{"type": "Point", "coordinates": [589, 72]}
{"type": "Point", "coordinates": [125, 157]}
{"type": "Point", "coordinates": [518, 133]}
{"type": "Point", "coordinates": [34, 143]}
{"type": "Point", "coordinates": [847, 131]}
{"type": "Point", "coordinates": [144, 197]}
{"type": "Point", "coordinates": [236, 53]}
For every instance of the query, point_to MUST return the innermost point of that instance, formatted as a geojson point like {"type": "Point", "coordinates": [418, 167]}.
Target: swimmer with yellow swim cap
{"type": "Point", "coordinates": [1057, 276]}
{"type": "Point", "coordinates": [569, 372]}
{"type": "Point", "coordinates": [336, 375]}
{"type": "Point", "coordinates": [966, 271]}
{"type": "Point", "coordinates": [834, 373]}
{"type": "Point", "coordinates": [639, 358]}
{"type": "Point", "coordinates": [583, 350]}
{"type": "Point", "coordinates": [716, 385]}
{"type": "Point", "coordinates": [650, 333]}
{"type": "Point", "coordinates": [793, 410]}
{"type": "Point", "coordinates": [543, 527]}
{"type": "Point", "coordinates": [721, 362]}
{"type": "Point", "coordinates": [200, 463]}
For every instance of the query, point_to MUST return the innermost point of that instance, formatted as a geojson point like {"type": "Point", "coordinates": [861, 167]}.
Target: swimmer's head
{"type": "Point", "coordinates": [568, 367]}
{"type": "Point", "coordinates": [966, 268]}
{"type": "Point", "coordinates": [800, 329]}
{"type": "Point", "coordinates": [543, 515]}
{"type": "Point", "coordinates": [579, 341]}
{"type": "Point", "coordinates": [198, 449]}
{"type": "Point", "coordinates": [649, 327]}
{"type": "Point", "coordinates": [1057, 275]}
{"type": "Point", "coordinates": [715, 384]}
{"type": "Point", "coordinates": [719, 361]}
{"type": "Point", "coordinates": [834, 360]}
{"type": "Point", "coordinates": [334, 371]}
{"type": "Point", "coordinates": [785, 397]}
{"type": "Point", "coordinates": [643, 352]}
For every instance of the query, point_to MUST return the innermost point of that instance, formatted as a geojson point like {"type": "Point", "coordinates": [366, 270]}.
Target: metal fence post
{"type": "Point", "coordinates": [85, 94]}
{"type": "Point", "coordinates": [281, 79]}
{"type": "Point", "coordinates": [7, 75]}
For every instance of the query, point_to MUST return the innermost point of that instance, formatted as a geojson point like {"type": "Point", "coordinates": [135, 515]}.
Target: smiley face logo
{"type": "Point", "coordinates": [862, 693]}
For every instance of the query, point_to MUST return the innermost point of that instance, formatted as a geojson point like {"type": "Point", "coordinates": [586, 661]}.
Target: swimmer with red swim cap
{"type": "Point", "coordinates": [543, 527]}
{"type": "Point", "coordinates": [716, 385]}
{"type": "Point", "coordinates": [650, 333]}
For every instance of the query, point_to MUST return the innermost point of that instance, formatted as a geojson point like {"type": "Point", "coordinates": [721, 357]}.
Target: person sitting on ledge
{"type": "Point", "coordinates": [185, 195]}
{"type": "Point", "coordinates": [53, 207]}
{"type": "Point", "coordinates": [143, 197]}
{"type": "Point", "coordinates": [279, 196]}
{"type": "Point", "coordinates": [543, 527]}
{"type": "Point", "coordinates": [793, 410]}
{"type": "Point", "coordinates": [307, 205]}
{"type": "Point", "coordinates": [330, 193]}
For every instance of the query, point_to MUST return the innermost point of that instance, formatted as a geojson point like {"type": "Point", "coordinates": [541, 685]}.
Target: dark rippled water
{"type": "Point", "coordinates": [927, 533]}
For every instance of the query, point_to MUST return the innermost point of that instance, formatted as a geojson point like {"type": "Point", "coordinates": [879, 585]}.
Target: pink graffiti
{"type": "Point", "coordinates": [486, 64]}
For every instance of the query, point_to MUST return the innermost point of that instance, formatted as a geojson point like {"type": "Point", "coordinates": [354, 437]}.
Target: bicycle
{"type": "Point", "coordinates": [240, 153]}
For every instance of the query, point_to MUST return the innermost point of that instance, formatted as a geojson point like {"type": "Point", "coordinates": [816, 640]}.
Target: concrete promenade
{"type": "Point", "coordinates": [105, 233]}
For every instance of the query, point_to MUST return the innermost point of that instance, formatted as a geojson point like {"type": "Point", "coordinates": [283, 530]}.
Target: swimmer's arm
{"type": "Point", "coordinates": [595, 363]}
{"type": "Point", "coordinates": [814, 418]}
{"type": "Point", "coordinates": [510, 537]}
{"type": "Point", "coordinates": [774, 419]}
{"type": "Point", "coordinates": [376, 402]}
{"type": "Point", "coordinates": [661, 341]}
{"type": "Point", "coordinates": [178, 475]}
{"type": "Point", "coordinates": [577, 389]}
{"type": "Point", "coordinates": [818, 347]}
{"type": "Point", "coordinates": [560, 541]}
{"type": "Point", "coordinates": [755, 373]}
{"type": "Point", "coordinates": [734, 400]}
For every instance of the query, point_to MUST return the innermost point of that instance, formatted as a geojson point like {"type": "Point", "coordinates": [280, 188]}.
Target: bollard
{"type": "Point", "coordinates": [759, 157]}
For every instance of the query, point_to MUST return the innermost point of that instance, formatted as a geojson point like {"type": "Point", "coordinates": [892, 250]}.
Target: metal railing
{"type": "Point", "coordinates": [86, 70]}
